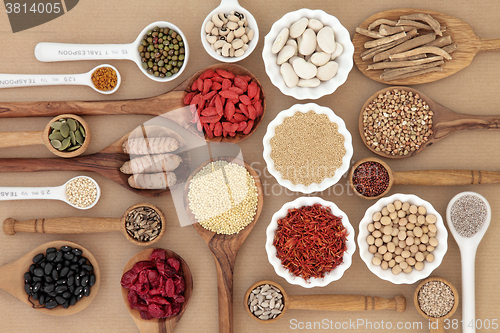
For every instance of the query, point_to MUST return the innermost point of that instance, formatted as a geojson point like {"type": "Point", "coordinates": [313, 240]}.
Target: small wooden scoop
{"type": "Point", "coordinates": [80, 225]}
{"type": "Point", "coordinates": [12, 280]}
{"type": "Point", "coordinates": [445, 121]}
{"type": "Point", "coordinates": [428, 177]}
{"type": "Point", "coordinates": [468, 45]}
{"type": "Point", "coordinates": [436, 324]}
{"type": "Point", "coordinates": [225, 247]}
{"type": "Point", "coordinates": [18, 139]}
{"type": "Point", "coordinates": [107, 162]}
{"type": "Point", "coordinates": [158, 325]}
{"type": "Point", "coordinates": [328, 302]}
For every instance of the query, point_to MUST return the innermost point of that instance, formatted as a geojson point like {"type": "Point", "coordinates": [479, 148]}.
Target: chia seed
{"type": "Point", "coordinates": [468, 215]}
{"type": "Point", "coordinates": [436, 299]}
{"type": "Point", "coordinates": [370, 179]}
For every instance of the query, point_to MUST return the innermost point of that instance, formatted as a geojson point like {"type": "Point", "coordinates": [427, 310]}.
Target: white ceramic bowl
{"type": "Point", "coordinates": [227, 7]}
{"type": "Point", "coordinates": [333, 275]}
{"type": "Point", "coordinates": [414, 276]}
{"type": "Point", "coordinates": [345, 60]}
{"type": "Point", "coordinates": [342, 129]}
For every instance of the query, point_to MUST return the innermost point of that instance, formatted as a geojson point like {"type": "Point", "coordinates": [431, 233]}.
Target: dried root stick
{"type": "Point", "coordinates": [391, 74]}
{"type": "Point", "coordinates": [414, 24]}
{"type": "Point", "coordinates": [152, 181]}
{"type": "Point", "coordinates": [142, 146]}
{"type": "Point", "coordinates": [385, 40]}
{"type": "Point", "coordinates": [413, 57]}
{"type": "Point", "coordinates": [408, 45]}
{"type": "Point", "coordinates": [381, 21]}
{"type": "Point", "coordinates": [370, 53]}
{"type": "Point", "coordinates": [399, 64]}
{"type": "Point", "coordinates": [387, 30]}
{"type": "Point", "coordinates": [416, 73]}
{"type": "Point", "coordinates": [151, 164]}
{"type": "Point", "coordinates": [450, 48]}
{"type": "Point", "coordinates": [368, 33]}
{"type": "Point", "coordinates": [423, 49]}
{"type": "Point", "coordinates": [427, 19]}
{"type": "Point", "coordinates": [440, 42]}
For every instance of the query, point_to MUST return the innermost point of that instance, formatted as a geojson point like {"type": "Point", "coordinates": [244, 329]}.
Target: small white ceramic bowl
{"type": "Point", "coordinates": [333, 275]}
{"type": "Point", "coordinates": [227, 6]}
{"type": "Point", "coordinates": [344, 60]}
{"type": "Point", "coordinates": [342, 129]}
{"type": "Point", "coordinates": [414, 276]}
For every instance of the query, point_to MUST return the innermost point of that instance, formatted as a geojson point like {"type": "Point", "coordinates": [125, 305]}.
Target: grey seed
{"type": "Point", "coordinates": [72, 137]}
{"type": "Point", "coordinates": [65, 143]}
{"type": "Point", "coordinates": [73, 148]}
{"type": "Point", "coordinates": [267, 313]}
{"type": "Point", "coordinates": [56, 135]}
{"type": "Point", "coordinates": [275, 311]}
{"type": "Point", "coordinates": [261, 298]}
{"type": "Point", "coordinates": [258, 312]}
{"type": "Point", "coordinates": [262, 317]}
{"type": "Point", "coordinates": [56, 144]}
{"type": "Point", "coordinates": [253, 302]}
{"type": "Point", "coordinates": [72, 124]}
{"type": "Point", "coordinates": [264, 304]}
{"type": "Point", "coordinates": [277, 305]}
{"type": "Point", "coordinates": [64, 130]}
{"type": "Point", "coordinates": [265, 288]}
{"type": "Point", "coordinates": [56, 125]}
{"type": "Point", "coordinates": [271, 303]}
{"type": "Point", "coordinates": [82, 130]}
{"type": "Point", "coordinates": [269, 296]}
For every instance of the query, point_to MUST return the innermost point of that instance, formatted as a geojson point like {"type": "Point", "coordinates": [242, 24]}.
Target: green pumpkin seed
{"type": "Point", "coordinates": [82, 130]}
{"type": "Point", "coordinates": [77, 125]}
{"type": "Point", "coordinates": [71, 123]}
{"type": "Point", "coordinates": [65, 144]}
{"type": "Point", "coordinates": [56, 135]}
{"type": "Point", "coordinates": [56, 144]}
{"type": "Point", "coordinates": [72, 137]}
{"type": "Point", "coordinates": [64, 130]}
{"type": "Point", "coordinates": [79, 137]}
{"type": "Point", "coordinates": [73, 148]}
{"type": "Point", "coordinates": [56, 125]}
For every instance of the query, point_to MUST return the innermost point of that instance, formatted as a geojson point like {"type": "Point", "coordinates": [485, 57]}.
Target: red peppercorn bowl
{"type": "Point", "coordinates": [334, 274]}
{"type": "Point", "coordinates": [402, 278]}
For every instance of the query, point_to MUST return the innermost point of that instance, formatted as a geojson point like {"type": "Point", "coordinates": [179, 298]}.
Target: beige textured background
{"type": "Point", "coordinates": [473, 90]}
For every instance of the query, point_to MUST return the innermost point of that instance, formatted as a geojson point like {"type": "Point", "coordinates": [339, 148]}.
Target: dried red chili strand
{"type": "Point", "coordinates": [310, 241]}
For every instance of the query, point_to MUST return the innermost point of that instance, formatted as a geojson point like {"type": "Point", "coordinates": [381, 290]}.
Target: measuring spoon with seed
{"type": "Point", "coordinates": [468, 248]}
{"type": "Point", "coordinates": [32, 80]}
{"type": "Point", "coordinates": [327, 302]}
{"type": "Point", "coordinates": [81, 137]}
{"type": "Point", "coordinates": [80, 224]}
{"type": "Point", "coordinates": [50, 193]}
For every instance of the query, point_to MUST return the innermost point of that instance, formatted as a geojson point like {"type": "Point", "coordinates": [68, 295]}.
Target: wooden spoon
{"type": "Point", "coordinates": [428, 177]}
{"type": "Point", "coordinates": [18, 139]}
{"type": "Point", "coordinates": [225, 247]}
{"type": "Point", "coordinates": [468, 45]}
{"type": "Point", "coordinates": [155, 106]}
{"type": "Point", "coordinates": [12, 279]}
{"type": "Point", "coordinates": [327, 302]}
{"type": "Point", "coordinates": [80, 225]}
{"type": "Point", "coordinates": [158, 325]}
{"type": "Point", "coordinates": [445, 121]}
{"type": "Point", "coordinates": [107, 162]}
{"type": "Point", "coordinates": [436, 324]}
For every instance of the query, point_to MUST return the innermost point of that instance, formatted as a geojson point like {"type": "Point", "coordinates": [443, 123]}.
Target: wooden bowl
{"type": "Point", "coordinates": [67, 154]}
{"type": "Point", "coordinates": [162, 229]}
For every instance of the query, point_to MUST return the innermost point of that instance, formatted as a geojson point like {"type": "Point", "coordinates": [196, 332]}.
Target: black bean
{"type": "Point", "coordinates": [41, 300]}
{"type": "Point", "coordinates": [83, 272]}
{"type": "Point", "coordinates": [61, 288]}
{"type": "Point", "coordinates": [68, 256]}
{"type": "Point", "coordinates": [86, 291]}
{"type": "Point", "coordinates": [55, 274]}
{"type": "Point", "coordinates": [51, 256]}
{"type": "Point", "coordinates": [59, 266]}
{"type": "Point", "coordinates": [48, 279]}
{"type": "Point", "coordinates": [74, 267]}
{"type": "Point", "coordinates": [36, 295]}
{"type": "Point", "coordinates": [67, 263]}
{"type": "Point", "coordinates": [59, 256]}
{"type": "Point", "coordinates": [52, 294]}
{"type": "Point", "coordinates": [71, 281]}
{"type": "Point", "coordinates": [77, 252]}
{"type": "Point", "coordinates": [36, 287]}
{"type": "Point", "coordinates": [32, 268]}
{"type": "Point", "coordinates": [51, 250]}
{"type": "Point", "coordinates": [85, 280]}
{"type": "Point", "coordinates": [38, 272]}
{"type": "Point", "coordinates": [67, 294]}
{"type": "Point", "coordinates": [92, 280]}
{"type": "Point", "coordinates": [72, 288]}
{"type": "Point", "coordinates": [65, 304]}
{"type": "Point", "coordinates": [82, 261]}
{"type": "Point", "coordinates": [42, 264]}
{"type": "Point", "coordinates": [77, 280]}
{"type": "Point", "coordinates": [61, 281]}
{"type": "Point", "coordinates": [64, 271]}
{"type": "Point", "coordinates": [75, 259]}
{"type": "Point", "coordinates": [28, 277]}
{"type": "Point", "coordinates": [71, 273]}
{"type": "Point", "coordinates": [37, 279]}
{"type": "Point", "coordinates": [60, 299]}
{"type": "Point", "coordinates": [49, 288]}
{"type": "Point", "coordinates": [28, 289]}
{"type": "Point", "coordinates": [66, 248]}
{"type": "Point", "coordinates": [51, 304]}
{"type": "Point", "coordinates": [79, 296]}
{"type": "Point", "coordinates": [88, 267]}
{"type": "Point", "coordinates": [72, 300]}
{"type": "Point", "coordinates": [78, 290]}
{"type": "Point", "coordinates": [48, 268]}
{"type": "Point", "coordinates": [38, 258]}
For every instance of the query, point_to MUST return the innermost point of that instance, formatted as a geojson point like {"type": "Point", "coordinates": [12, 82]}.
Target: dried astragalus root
{"type": "Point", "coordinates": [152, 181]}
{"type": "Point", "coordinates": [151, 164]}
{"type": "Point", "coordinates": [143, 146]}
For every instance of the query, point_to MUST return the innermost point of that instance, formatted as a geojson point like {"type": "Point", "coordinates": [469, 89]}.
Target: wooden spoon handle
{"type": "Point", "coordinates": [456, 122]}
{"type": "Point", "coordinates": [446, 177]}
{"type": "Point", "coordinates": [346, 303]}
{"type": "Point", "coordinates": [224, 262]}
{"type": "Point", "coordinates": [62, 225]}
{"type": "Point", "coordinates": [490, 44]}
{"type": "Point", "coordinates": [18, 139]}
{"type": "Point", "coordinates": [45, 164]}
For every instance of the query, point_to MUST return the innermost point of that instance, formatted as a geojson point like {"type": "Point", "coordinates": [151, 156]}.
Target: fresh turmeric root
{"type": "Point", "coordinates": [151, 164]}
{"type": "Point", "coordinates": [142, 146]}
{"type": "Point", "coordinates": [152, 181]}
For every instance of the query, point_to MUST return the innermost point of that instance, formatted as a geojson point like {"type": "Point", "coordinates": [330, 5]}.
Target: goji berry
{"type": "Point", "coordinates": [209, 95]}
{"type": "Point", "coordinates": [226, 84]}
{"type": "Point", "coordinates": [218, 105]}
{"type": "Point", "coordinates": [199, 84]}
{"type": "Point", "coordinates": [249, 127]}
{"type": "Point", "coordinates": [210, 135]}
{"type": "Point", "coordinates": [210, 119]}
{"type": "Point", "coordinates": [258, 107]}
{"type": "Point", "coordinates": [217, 78]}
{"type": "Point", "coordinates": [216, 86]}
{"type": "Point", "coordinates": [240, 83]}
{"type": "Point", "coordinates": [196, 99]}
{"type": "Point", "coordinates": [252, 90]}
{"type": "Point", "coordinates": [238, 117]}
{"type": "Point", "coordinates": [192, 109]}
{"type": "Point", "coordinates": [224, 73]}
{"type": "Point", "coordinates": [210, 111]}
{"type": "Point", "coordinates": [207, 84]}
{"type": "Point", "coordinates": [229, 110]}
{"type": "Point", "coordinates": [228, 94]}
{"type": "Point", "coordinates": [212, 101]}
{"type": "Point", "coordinates": [199, 126]}
{"type": "Point", "coordinates": [243, 109]}
{"type": "Point", "coordinates": [209, 73]}
{"type": "Point", "coordinates": [236, 90]}
{"type": "Point", "coordinates": [218, 129]}
{"type": "Point", "coordinates": [212, 126]}
{"type": "Point", "coordinates": [241, 126]}
{"type": "Point", "coordinates": [195, 119]}
{"type": "Point", "coordinates": [194, 86]}
{"type": "Point", "coordinates": [252, 114]}
{"type": "Point", "coordinates": [188, 98]}
{"type": "Point", "coordinates": [245, 100]}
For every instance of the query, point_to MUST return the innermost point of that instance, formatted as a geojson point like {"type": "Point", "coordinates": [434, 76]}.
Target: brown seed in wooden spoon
{"type": "Point", "coordinates": [468, 45]}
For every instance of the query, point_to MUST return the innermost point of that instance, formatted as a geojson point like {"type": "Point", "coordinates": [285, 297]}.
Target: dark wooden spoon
{"type": "Point", "coordinates": [107, 162]}
{"type": "Point", "coordinates": [468, 45]}
{"type": "Point", "coordinates": [160, 105]}
{"type": "Point", "coordinates": [445, 121]}
{"type": "Point", "coordinates": [225, 247]}
{"type": "Point", "coordinates": [166, 324]}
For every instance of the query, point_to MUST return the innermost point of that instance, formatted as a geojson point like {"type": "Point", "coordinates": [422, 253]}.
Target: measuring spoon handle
{"type": "Point", "coordinates": [18, 139]}
{"type": "Point", "coordinates": [62, 225]}
{"type": "Point", "coordinates": [446, 177]}
{"type": "Point", "coordinates": [49, 52]}
{"type": "Point", "coordinates": [346, 303]}
{"type": "Point", "coordinates": [28, 193]}
{"type": "Point", "coordinates": [31, 80]}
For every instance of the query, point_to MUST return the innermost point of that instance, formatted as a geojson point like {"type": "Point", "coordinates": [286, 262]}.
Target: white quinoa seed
{"type": "Point", "coordinates": [81, 192]}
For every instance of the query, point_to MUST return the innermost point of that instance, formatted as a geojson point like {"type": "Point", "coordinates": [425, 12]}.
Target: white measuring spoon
{"type": "Point", "coordinates": [49, 52]}
{"type": "Point", "coordinates": [226, 6]}
{"type": "Point", "coordinates": [51, 193]}
{"type": "Point", "coordinates": [31, 80]}
{"type": "Point", "coordinates": [468, 247]}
